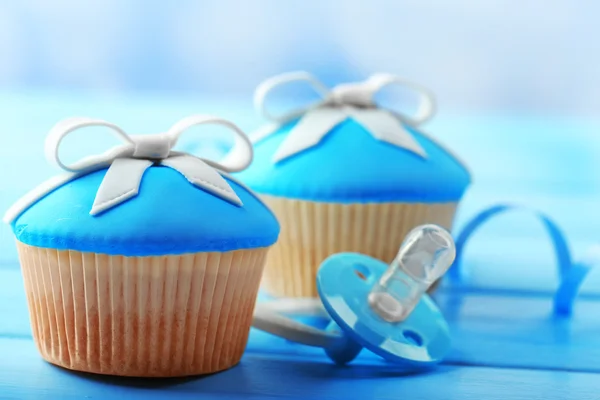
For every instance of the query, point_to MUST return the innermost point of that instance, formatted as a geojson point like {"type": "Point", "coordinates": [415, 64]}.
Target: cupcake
{"type": "Point", "coordinates": [347, 175]}
{"type": "Point", "coordinates": [143, 261]}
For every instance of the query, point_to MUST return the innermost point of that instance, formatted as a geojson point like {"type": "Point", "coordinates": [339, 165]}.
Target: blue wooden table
{"type": "Point", "coordinates": [507, 342]}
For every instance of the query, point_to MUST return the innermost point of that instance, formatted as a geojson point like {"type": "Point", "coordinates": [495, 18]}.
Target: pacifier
{"type": "Point", "coordinates": [382, 308]}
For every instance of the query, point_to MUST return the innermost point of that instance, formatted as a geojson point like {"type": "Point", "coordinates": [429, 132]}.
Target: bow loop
{"type": "Point", "coordinates": [240, 155]}
{"type": "Point", "coordinates": [426, 100]}
{"type": "Point", "coordinates": [68, 126]}
{"type": "Point", "coordinates": [350, 100]}
{"type": "Point", "coordinates": [268, 86]}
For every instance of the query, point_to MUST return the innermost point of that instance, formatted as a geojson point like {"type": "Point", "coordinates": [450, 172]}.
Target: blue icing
{"type": "Point", "coordinates": [350, 165]}
{"type": "Point", "coordinates": [168, 216]}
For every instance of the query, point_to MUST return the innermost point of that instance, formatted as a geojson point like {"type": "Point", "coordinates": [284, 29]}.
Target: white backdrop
{"type": "Point", "coordinates": [533, 56]}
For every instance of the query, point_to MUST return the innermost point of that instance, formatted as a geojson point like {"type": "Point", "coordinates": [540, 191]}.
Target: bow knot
{"type": "Point", "coordinates": [350, 100]}
{"type": "Point", "coordinates": [152, 147]}
{"type": "Point", "coordinates": [128, 162]}
{"type": "Point", "coordinates": [351, 94]}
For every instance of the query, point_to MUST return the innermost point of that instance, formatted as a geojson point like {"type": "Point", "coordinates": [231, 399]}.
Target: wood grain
{"type": "Point", "coordinates": [23, 374]}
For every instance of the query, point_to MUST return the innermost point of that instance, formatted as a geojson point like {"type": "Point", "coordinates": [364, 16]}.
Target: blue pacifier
{"type": "Point", "coordinates": [383, 308]}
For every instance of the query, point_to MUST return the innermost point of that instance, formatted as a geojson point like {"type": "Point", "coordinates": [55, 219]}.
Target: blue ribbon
{"type": "Point", "coordinates": [571, 275]}
{"type": "Point", "coordinates": [564, 298]}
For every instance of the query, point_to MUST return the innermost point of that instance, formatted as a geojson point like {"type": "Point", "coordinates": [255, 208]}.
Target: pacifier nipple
{"type": "Point", "coordinates": [424, 256]}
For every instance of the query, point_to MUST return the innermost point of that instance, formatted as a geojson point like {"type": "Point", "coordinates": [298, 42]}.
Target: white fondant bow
{"type": "Point", "coordinates": [345, 101]}
{"type": "Point", "coordinates": [128, 162]}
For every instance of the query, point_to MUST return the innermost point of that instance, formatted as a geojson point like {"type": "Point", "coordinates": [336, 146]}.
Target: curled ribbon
{"type": "Point", "coordinates": [353, 100]}
{"type": "Point", "coordinates": [128, 162]}
{"type": "Point", "coordinates": [571, 273]}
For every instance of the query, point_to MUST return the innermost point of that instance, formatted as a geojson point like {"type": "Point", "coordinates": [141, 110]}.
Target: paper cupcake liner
{"type": "Point", "coordinates": [312, 231]}
{"type": "Point", "coordinates": [141, 316]}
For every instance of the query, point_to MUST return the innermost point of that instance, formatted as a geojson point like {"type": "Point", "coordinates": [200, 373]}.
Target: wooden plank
{"type": "Point", "coordinates": [24, 375]}
{"type": "Point", "coordinates": [501, 331]}
{"type": "Point", "coordinates": [521, 331]}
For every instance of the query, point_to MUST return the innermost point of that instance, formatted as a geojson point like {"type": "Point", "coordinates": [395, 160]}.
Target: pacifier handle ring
{"type": "Point", "coordinates": [268, 317]}
{"type": "Point", "coordinates": [298, 306]}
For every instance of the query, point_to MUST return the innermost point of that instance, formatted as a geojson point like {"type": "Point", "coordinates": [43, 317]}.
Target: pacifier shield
{"type": "Point", "coordinates": [344, 282]}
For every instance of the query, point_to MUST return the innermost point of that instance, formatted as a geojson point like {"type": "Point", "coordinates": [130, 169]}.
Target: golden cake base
{"type": "Point", "coordinates": [141, 316]}
{"type": "Point", "coordinates": [312, 231]}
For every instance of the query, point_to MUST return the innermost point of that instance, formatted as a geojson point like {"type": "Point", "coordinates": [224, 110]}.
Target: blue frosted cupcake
{"type": "Point", "coordinates": [347, 175]}
{"type": "Point", "coordinates": [143, 261]}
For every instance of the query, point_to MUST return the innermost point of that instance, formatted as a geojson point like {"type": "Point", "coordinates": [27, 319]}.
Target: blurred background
{"type": "Point", "coordinates": [535, 56]}
{"type": "Point", "coordinates": [518, 86]}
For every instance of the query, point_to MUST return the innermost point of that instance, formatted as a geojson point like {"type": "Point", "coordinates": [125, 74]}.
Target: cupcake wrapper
{"type": "Point", "coordinates": [312, 231]}
{"type": "Point", "coordinates": [141, 316]}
